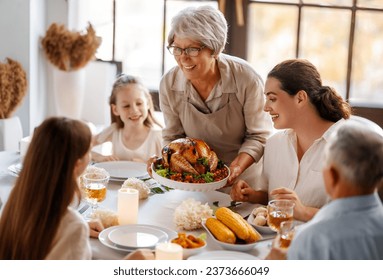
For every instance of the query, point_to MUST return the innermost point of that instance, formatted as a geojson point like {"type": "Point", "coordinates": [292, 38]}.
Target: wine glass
{"type": "Point", "coordinates": [286, 233]}
{"type": "Point", "coordinates": [278, 211]}
{"type": "Point", "coordinates": [94, 189]}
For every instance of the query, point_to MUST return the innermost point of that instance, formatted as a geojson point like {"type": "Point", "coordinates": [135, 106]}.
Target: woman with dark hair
{"type": "Point", "coordinates": [37, 221]}
{"type": "Point", "coordinates": [308, 113]}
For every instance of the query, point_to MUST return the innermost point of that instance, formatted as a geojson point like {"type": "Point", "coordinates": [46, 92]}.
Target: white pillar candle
{"type": "Point", "coordinates": [127, 206]}
{"type": "Point", "coordinates": [168, 251]}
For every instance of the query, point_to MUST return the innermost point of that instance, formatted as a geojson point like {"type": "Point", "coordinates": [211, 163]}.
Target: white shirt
{"type": "Point", "coordinates": [281, 167]}
{"type": "Point", "coordinates": [151, 146]}
{"type": "Point", "coordinates": [72, 239]}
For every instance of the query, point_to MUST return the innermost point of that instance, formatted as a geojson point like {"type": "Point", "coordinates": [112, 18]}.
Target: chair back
{"type": "Point", "coordinates": [375, 127]}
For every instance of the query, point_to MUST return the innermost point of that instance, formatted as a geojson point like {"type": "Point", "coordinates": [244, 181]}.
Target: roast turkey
{"type": "Point", "coordinates": [189, 155]}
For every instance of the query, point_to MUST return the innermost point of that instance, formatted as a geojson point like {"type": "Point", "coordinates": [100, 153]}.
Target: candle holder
{"type": "Point", "coordinates": [169, 251]}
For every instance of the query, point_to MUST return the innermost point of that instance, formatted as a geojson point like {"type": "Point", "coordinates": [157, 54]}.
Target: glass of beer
{"type": "Point", "coordinates": [286, 233]}
{"type": "Point", "coordinates": [94, 189]}
{"type": "Point", "coordinates": [278, 211]}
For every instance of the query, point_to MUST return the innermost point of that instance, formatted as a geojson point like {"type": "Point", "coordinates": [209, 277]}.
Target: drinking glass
{"type": "Point", "coordinates": [286, 233]}
{"type": "Point", "coordinates": [279, 210]}
{"type": "Point", "coordinates": [94, 189]}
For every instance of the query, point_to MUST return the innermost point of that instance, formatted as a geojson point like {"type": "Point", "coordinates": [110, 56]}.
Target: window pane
{"type": "Point", "coordinates": [101, 18]}
{"type": "Point", "coordinates": [172, 8]}
{"type": "Point", "coordinates": [367, 68]}
{"type": "Point", "coordinates": [139, 39]}
{"type": "Point", "coordinates": [370, 4]}
{"type": "Point", "coordinates": [278, 1]}
{"type": "Point", "coordinates": [330, 2]}
{"type": "Point", "coordinates": [271, 35]}
{"type": "Point", "coordinates": [325, 44]}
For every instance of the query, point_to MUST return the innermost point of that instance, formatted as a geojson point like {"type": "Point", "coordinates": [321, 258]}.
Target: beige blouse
{"type": "Point", "coordinates": [231, 120]}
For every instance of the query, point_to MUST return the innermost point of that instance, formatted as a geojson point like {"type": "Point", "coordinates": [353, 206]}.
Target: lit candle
{"type": "Point", "coordinates": [127, 204]}
{"type": "Point", "coordinates": [168, 251]}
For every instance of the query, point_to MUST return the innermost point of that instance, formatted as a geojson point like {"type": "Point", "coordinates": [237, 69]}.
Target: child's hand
{"type": "Point", "coordinates": [101, 158]}
{"type": "Point", "coordinates": [110, 158]}
{"type": "Point", "coordinates": [140, 254]}
{"type": "Point", "coordinates": [95, 227]}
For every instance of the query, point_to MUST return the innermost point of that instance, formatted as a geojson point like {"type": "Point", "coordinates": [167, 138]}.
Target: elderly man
{"type": "Point", "coordinates": [351, 225]}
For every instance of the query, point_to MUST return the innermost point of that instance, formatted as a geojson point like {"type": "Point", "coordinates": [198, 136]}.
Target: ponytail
{"type": "Point", "coordinates": [330, 104]}
{"type": "Point", "coordinates": [300, 74]}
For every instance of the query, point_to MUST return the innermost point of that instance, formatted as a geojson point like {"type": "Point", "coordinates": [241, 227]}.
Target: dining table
{"type": "Point", "coordinates": [156, 210]}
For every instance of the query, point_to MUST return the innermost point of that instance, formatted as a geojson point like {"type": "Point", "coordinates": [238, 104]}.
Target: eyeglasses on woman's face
{"type": "Point", "coordinates": [176, 51]}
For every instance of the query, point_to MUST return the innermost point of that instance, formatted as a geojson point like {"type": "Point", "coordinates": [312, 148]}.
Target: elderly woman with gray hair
{"type": "Point", "coordinates": [213, 96]}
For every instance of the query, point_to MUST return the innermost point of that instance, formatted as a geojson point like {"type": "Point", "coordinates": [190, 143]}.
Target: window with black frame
{"type": "Point", "coordinates": [134, 32]}
{"type": "Point", "coordinates": [343, 38]}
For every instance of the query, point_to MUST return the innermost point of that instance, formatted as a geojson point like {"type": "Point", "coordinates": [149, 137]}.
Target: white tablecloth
{"type": "Point", "coordinates": [157, 210]}
{"type": "Point", "coordinates": [7, 180]}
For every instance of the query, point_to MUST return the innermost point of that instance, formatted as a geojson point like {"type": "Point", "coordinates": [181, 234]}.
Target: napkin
{"type": "Point", "coordinates": [107, 217]}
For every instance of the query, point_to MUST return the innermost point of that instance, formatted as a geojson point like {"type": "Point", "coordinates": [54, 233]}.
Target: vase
{"type": "Point", "coordinates": [69, 91]}
{"type": "Point", "coordinates": [11, 133]}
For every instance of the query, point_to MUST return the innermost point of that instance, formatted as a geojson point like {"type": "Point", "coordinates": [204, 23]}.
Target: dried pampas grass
{"type": "Point", "coordinates": [13, 87]}
{"type": "Point", "coordinates": [70, 50]}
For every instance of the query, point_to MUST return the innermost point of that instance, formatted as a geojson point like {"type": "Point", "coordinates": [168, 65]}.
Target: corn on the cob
{"type": "Point", "coordinates": [254, 235]}
{"type": "Point", "coordinates": [220, 231]}
{"type": "Point", "coordinates": [231, 220]}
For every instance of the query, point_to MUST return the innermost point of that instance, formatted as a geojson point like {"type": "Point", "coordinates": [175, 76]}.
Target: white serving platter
{"type": "Point", "coordinates": [202, 187]}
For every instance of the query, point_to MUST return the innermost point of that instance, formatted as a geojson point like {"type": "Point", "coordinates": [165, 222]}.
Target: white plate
{"type": "Point", "coordinates": [189, 186]}
{"type": "Point", "coordinates": [121, 170]}
{"type": "Point", "coordinates": [228, 246]}
{"type": "Point", "coordinates": [103, 237]}
{"type": "Point", "coordinates": [260, 229]}
{"type": "Point", "coordinates": [223, 255]}
{"type": "Point", "coordinates": [137, 236]}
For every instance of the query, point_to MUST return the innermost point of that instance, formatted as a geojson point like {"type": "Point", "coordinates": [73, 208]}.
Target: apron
{"type": "Point", "coordinates": [219, 131]}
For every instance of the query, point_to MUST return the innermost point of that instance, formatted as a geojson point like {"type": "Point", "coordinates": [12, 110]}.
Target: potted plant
{"type": "Point", "coordinates": [69, 51]}
{"type": "Point", "coordinates": [13, 88]}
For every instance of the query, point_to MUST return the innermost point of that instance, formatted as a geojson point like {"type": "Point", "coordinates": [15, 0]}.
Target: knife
{"type": "Point", "coordinates": [232, 205]}
{"type": "Point", "coordinates": [83, 209]}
